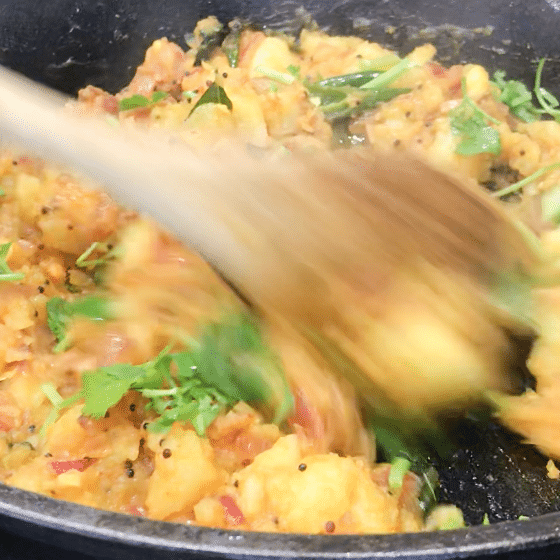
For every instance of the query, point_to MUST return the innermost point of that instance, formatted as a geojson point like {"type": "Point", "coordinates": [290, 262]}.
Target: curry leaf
{"type": "Point", "coordinates": [214, 94]}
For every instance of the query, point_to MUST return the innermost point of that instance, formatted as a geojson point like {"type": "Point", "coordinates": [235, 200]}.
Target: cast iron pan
{"type": "Point", "coordinates": [70, 43]}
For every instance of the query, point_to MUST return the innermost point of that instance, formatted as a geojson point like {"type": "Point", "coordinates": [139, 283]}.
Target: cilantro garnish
{"type": "Point", "coordinates": [83, 261]}
{"type": "Point", "coordinates": [470, 123]}
{"type": "Point", "coordinates": [135, 101]}
{"type": "Point", "coordinates": [214, 94]}
{"type": "Point", "coordinates": [233, 356]}
{"type": "Point", "coordinates": [58, 403]}
{"type": "Point", "coordinates": [519, 99]}
{"type": "Point", "coordinates": [6, 273]}
{"type": "Point", "coordinates": [60, 313]}
{"type": "Point", "coordinates": [548, 102]}
{"type": "Point", "coordinates": [516, 96]}
{"type": "Point", "coordinates": [230, 363]}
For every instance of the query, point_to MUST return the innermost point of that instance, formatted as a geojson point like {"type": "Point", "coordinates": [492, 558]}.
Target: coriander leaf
{"type": "Point", "coordinates": [185, 363]}
{"type": "Point", "coordinates": [477, 136]}
{"type": "Point", "coordinates": [231, 363]}
{"type": "Point", "coordinates": [6, 273]}
{"type": "Point", "coordinates": [106, 386]}
{"type": "Point", "coordinates": [470, 123]}
{"type": "Point", "coordinates": [214, 94]}
{"type": "Point", "coordinates": [516, 96]}
{"type": "Point", "coordinates": [172, 399]}
{"type": "Point", "coordinates": [234, 358]}
{"type": "Point", "coordinates": [135, 101]}
{"type": "Point", "coordinates": [60, 313]}
{"type": "Point", "coordinates": [58, 404]}
{"type": "Point", "coordinates": [2, 192]}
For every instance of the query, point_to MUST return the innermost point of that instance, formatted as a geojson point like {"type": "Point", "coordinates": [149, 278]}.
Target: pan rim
{"type": "Point", "coordinates": [21, 508]}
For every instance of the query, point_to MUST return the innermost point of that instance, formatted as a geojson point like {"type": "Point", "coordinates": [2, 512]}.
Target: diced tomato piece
{"type": "Point", "coordinates": [135, 510]}
{"type": "Point", "coordinates": [234, 516]}
{"type": "Point", "coordinates": [80, 465]}
{"type": "Point", "coordinates": [437, 69]}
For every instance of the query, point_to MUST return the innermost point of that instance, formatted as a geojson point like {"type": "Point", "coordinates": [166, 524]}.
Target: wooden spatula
{"type": "Point", "coordinates": [393, 269]}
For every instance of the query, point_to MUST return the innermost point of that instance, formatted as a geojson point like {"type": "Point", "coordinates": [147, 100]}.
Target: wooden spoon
{"type": "Point", "coordinates": [392, 268]}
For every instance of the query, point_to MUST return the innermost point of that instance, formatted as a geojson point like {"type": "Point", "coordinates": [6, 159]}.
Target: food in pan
{"type": "Point", "coordinates": [134, 379]}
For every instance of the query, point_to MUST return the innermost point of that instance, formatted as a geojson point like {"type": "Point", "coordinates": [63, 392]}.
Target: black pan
{"type": "Point", "coordinates": [70, 43]}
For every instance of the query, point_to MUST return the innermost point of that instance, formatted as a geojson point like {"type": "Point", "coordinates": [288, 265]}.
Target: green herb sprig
{"type": "Point", "coordinates": [108, 254]}
{"type": "Point", "coordinates": [136, 101]}
{"type": "Point", "coordinates": [470, 123]}
{"type": "Point", "coordinates": [61, 312]}
{"type": "Point", "coordinates": [231, 363]}
{"type": "Point", "coordinates": [516, 96]}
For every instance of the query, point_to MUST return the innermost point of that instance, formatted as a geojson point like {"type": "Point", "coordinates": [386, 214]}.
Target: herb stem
{"type": "Point", "coordinates": [543, 95]}
{"type": "Point", "coordinates": [390, 75]}
{"type": "Point", "coordinates": [474, 106]}
{"type": "Point", "coordinates": [399, 468]}
{"type": "Point", "coordinates": [152, 393]}
{"type": "Point", "coordinates": [282, 77]}
{"type": "Point", "coordinates": [527, 180]}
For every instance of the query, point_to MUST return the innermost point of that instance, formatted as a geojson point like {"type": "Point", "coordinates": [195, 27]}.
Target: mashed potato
{"type": "Point", "coordinates": [313, 472]}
